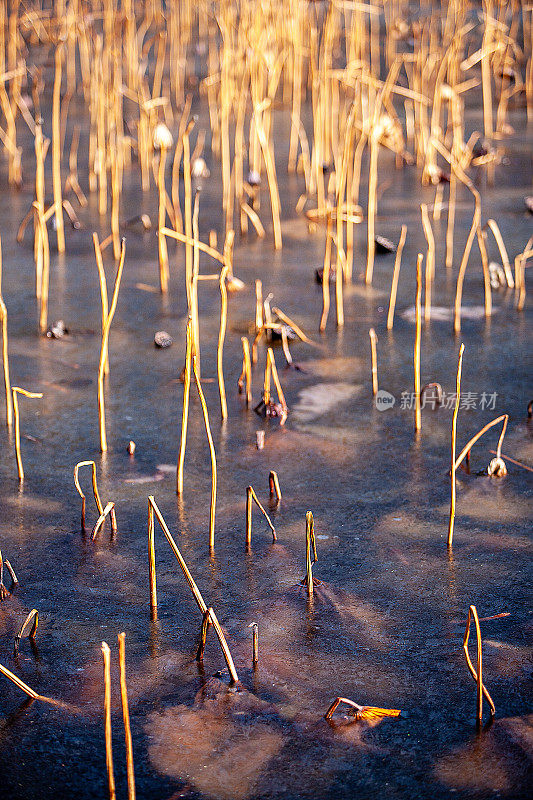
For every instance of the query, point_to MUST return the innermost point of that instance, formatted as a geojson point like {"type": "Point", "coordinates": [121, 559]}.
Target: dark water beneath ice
{"type": "Point", "coordinates": [386, 626]}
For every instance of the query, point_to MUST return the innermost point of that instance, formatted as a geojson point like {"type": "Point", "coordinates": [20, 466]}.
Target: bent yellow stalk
{"type": "Point", "coordinates": [251, 496]}
{"type": "Point", "coordinates": [212, 454]}
{"type": "Point", "coordinates": [395, 277]}
{"type": "Point", "coordinates": [103, 350]}
{"type": "Point", "coordinates": [32, 395]}
{"type": "Point", "coordinates": [97, 500]}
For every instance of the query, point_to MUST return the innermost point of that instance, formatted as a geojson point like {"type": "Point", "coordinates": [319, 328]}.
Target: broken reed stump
{"type": "Point", "coordinates": [97, 500]}
{"type": "Point", "coordinates": [255, 643]}
{"type": "Point", "coordinates": [5, 358]}
{"type": "Point", "coordinates": [311, 556]}
{"type": "Point", "coordinates": [206, 622]}
{"type": "Point", "coordinates": [268, 407]}
{"type": "Point", "coordinates": [4, 591]}
{"type": "Point", "coordinates": [395, 277]}
{"type": "Point", "coordinates": [109, 510]}
{"type": "Point", "coordinates": [106, 658]}
{"type": "Point", "coordinates": [28, 628]}
{"type": "Point", "coordinates": [273, 485]}
{"type": "Point", "coordinates": [361, 712]}
{"type": "Point", "coordinates": [252, 497]}
{"type": "Point", "coordinates": [477, 674]}
{"type": "Point", "coordinates": [245, 378]}
{"type": "Point", "coordinates": [374, 357]}
{"type": "Point", "coordinates": [418, 333]}
{"type": "Point", "coordinates": [32, 395]}
{"type": "Point", "coordinates": [104, 349]}
{"type": "Point", "coordinates": [126, 715]}
{"type": "Point", "coordinates": [454, 440]}
{"type": "Point", "coordinates": [153, 511]}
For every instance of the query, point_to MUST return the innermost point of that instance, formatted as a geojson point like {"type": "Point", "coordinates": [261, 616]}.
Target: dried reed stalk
{"type": "Point", "coordinates": [109, 510]}
{"type": "Point", "coordinates": [251, 496]}
{"type": "Point", "coordinates": [153, 509]}
{"type": "Point", "coordinates": [103, 291]}
{"type": "Point", "coordinates": [163, 252]}
{"type": "Point", "coordinates": [493, 225]}
{"type": "Point", "coordinates": [104, 349]}
{"type": "Point", "coordinates": [271, 173]}
{"type": "Point", "coordinates": [28, 628]}
{"type": "Point", "coordinates": [288, 321]}
{"type": "Point", "coordinates": [106, 656]}
{"type": "Point", "coordinates": [206, 622]}
{"type": "Point", "coordinates": [467, 448]}
{"type": "Point", "coordinates": [97, 500]}
{"type": "Point", "coordinates": [395, 277]}
{"type": "Point", "coordinates": [126, 715]}
{"type": "Point", "coordinates": [185, 408]}
{"type": "Point", "coordinates": [361, 712]}
{"type": "Point", "coordinates": [477, 674]}
{"type": "Point", "coordinates": [20, 684]}
{"type": "Point", "coordinates": [212, 454]}
{"type": "Point", "coordinates": [418, 331]}
{"type": "Point", "coordinates": [5, 357]}
{"type": "Point", "coordinates": [56, 150]}
{"type": "Point", "coordinates": [35, 396]}
{"type": "Point", "coordinates": [246, 372]}
{"type": "Point", "coordinates": [372, 196]}
{"type": "Point", "coordinates": [192, 242]}
{"type": "Point", "coordinates": [464, 261]}
{"type": "Point", "coordinates": [310, 546]}
{"type": "Point", "coordinates": [224, 645]}
{"type": "Point", "coordinates": [222, 330]}
{"type": "Point", "coordinates": [454, 440]}
{"type": "Point", "coordinates": [273, 485]}
{"type": "Point", "coordinates": [325, 276]}
{"type": "Point", "coordinates": [451, 221]}
{"type": "Point", "coordinates": [374, 356]}
{"type": "Point", "coordinates": [258, 305]}
{"type": "Point", "coordinates": [4, 592]}
{"type": "Point", "coordinates": [430, 260]}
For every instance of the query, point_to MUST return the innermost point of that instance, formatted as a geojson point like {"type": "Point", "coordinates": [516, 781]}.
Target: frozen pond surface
{"type": "Point", "coordinates": [384, 628]}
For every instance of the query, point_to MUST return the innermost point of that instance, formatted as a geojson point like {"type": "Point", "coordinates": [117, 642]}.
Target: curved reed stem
{"type": "Point", "coordinates": [35, 396]}
{"type": "Point", "coordinates": [454, 439]}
